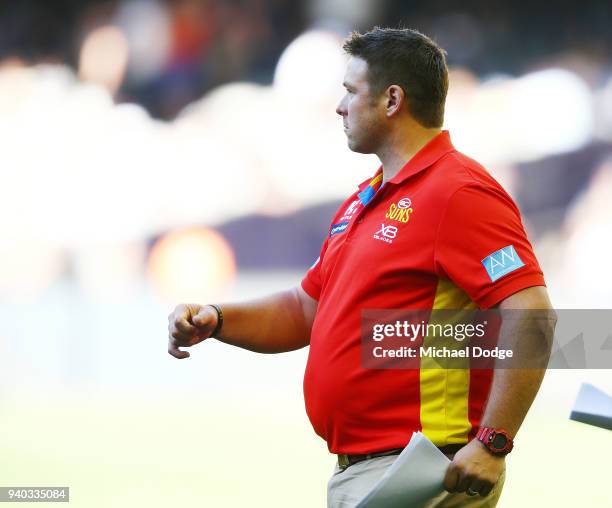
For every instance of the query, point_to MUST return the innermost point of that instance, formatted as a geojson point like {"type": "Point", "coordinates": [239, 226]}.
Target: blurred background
{"type": "Point", "coordinates": [160, 151]}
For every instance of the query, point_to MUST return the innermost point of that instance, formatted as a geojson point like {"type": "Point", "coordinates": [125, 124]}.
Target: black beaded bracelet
{"type": "Point", "coordinates": [219, 320]}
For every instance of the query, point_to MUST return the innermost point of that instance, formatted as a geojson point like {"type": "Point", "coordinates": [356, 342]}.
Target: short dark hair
{"type": "Point", "coordinates": [407, 58]}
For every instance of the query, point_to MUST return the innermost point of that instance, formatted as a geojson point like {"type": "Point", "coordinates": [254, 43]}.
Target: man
{"type": "Point", "coordinates": [431, 230]}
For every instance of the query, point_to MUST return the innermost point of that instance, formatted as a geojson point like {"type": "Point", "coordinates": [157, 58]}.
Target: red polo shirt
{"type": "Point", "coordinates": [441, 234]}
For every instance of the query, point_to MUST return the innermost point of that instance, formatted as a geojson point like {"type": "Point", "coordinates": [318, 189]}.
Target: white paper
{"type": "Point", "coordinates": [416, 476]}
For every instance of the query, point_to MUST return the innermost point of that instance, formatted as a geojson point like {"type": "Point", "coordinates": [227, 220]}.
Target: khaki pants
{"type": "Point", "coordinates": [346, 488]}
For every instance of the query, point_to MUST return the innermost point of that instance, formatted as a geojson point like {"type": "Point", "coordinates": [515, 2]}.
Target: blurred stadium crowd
{"type": "Point", "coordinates": [178, 49]}
{"type": "Point", "coordinates": [124, 122]}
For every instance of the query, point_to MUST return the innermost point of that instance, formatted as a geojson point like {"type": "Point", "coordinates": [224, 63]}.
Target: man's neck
{"type": "Point", "coordinates": [402, 145]}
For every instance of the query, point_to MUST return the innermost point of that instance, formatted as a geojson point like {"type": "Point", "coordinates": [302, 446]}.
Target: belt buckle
{"type": "Point", "coordinates": [343, 461]}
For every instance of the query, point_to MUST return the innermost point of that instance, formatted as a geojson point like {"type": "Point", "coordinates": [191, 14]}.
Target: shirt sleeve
{"type": "Point", "coordinates": [312, 281]}
{"type": "Point", "coordinates": [482, 246]}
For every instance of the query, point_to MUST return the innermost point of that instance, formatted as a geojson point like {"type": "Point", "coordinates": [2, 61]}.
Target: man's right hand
{"type": "Point", "coordinates": [188, 325]}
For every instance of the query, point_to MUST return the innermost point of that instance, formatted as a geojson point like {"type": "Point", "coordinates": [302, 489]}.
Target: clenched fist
{"type": "Point", "coordinates": [188, 325]}
{"type": "Point", "coordinates": [473, 470]}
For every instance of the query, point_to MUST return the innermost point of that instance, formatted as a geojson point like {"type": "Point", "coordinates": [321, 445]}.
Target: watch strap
{"type": "Point", "coordinates": [219, 320]}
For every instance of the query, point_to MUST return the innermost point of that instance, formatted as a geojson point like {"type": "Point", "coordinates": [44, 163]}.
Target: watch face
{"type": "Point", "coordinates": [499, 441]}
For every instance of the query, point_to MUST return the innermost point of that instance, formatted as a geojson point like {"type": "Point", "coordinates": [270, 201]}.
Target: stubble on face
{"type": "Point", "coordinates": [360, 111]}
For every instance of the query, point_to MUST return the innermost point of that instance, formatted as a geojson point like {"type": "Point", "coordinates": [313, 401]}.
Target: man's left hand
{"type": "Point", "coordinates": [474, 470]}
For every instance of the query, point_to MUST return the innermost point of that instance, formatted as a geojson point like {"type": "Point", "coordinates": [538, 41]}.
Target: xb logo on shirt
{"type": "Point", "coordinates": [385, 233]}
{"type": "Point", "coordinates": [401, 211]}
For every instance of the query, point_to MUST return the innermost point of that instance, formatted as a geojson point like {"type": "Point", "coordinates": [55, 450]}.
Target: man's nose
{"type": "Point", "coordinates": [340, 108]}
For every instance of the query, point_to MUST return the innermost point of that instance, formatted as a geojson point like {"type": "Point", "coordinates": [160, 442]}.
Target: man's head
{"type": "Point", "coordinates": [391, 72]}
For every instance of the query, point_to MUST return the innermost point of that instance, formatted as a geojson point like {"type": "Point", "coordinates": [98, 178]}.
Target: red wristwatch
{"type": "Point", "coordinates": [497, 441]}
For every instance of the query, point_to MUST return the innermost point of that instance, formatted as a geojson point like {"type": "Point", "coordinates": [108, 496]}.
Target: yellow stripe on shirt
{"type": "Point", "coordinates": [445, 392]}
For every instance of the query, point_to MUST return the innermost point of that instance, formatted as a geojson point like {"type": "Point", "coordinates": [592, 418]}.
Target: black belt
{"type": "Point", "coordinates": [345, 461]}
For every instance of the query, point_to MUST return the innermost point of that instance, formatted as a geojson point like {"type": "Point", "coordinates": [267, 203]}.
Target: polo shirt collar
{"type": "Point", "coordinates": [432, 152]}
{"type": "Point", "coordinates": [370, 180]}
{"type": "Point", "coordinates": [367, 190]}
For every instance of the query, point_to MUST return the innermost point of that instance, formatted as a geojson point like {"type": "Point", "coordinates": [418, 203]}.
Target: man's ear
{"type": "Point", "coordinates": [395, 99]}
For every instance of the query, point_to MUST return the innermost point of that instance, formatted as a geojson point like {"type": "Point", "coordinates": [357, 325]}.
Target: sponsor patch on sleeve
{"type": "Point", "coordinates": [502, 262]}
{"type": "Point", "coordinates": [337, 228]}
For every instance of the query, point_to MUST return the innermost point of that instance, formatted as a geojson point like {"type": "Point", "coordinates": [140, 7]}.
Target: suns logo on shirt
{"type": "Point", "coordinates": [400, 211]}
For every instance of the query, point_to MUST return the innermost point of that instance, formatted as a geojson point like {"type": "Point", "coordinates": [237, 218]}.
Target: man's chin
{"type": "Point", "coordinates": [355, 147]}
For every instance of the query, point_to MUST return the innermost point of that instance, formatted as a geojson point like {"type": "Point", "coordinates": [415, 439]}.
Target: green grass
{"type": "Point", "coordinates": [121, 450]}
